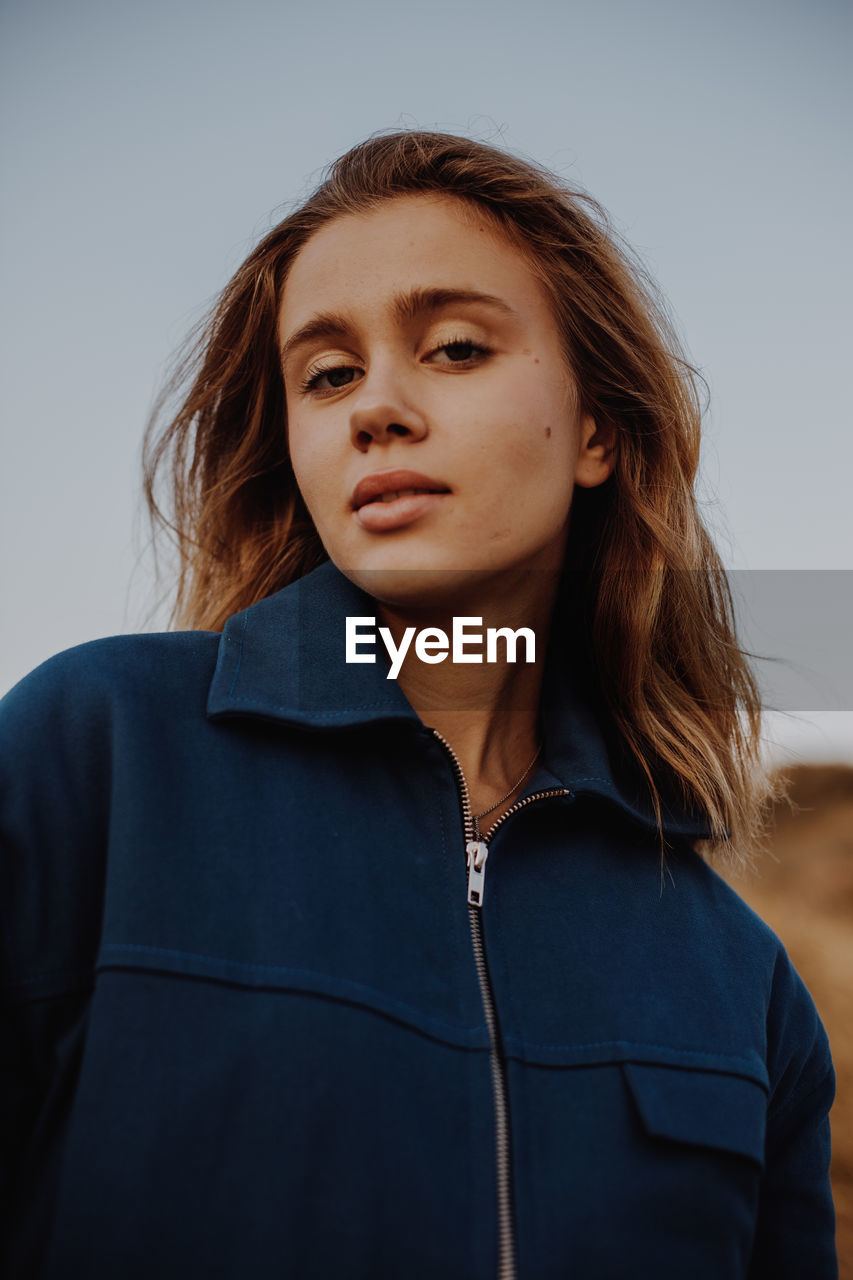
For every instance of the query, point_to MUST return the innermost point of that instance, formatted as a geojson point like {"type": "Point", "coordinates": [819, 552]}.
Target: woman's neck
{"type": "Point", "coordinates": [487, 711]}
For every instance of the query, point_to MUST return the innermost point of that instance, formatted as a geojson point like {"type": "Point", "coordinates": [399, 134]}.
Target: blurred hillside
{"type": "Point", "coordinates": [804, 890]}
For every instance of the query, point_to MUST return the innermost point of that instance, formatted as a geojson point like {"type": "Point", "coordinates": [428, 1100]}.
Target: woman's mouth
{"type": "Point", "coordinates": [394, 498]}
{"type": "Point", "coordinates": [402, 493]}
{"type": "Point", "coordinates": [397, 508]}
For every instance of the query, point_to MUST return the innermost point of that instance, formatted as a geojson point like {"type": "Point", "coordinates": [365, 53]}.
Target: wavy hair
{"type": "Point", "coordinates": [658, 612]}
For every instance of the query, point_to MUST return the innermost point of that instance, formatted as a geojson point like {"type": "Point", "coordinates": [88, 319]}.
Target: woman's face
{"type": "Point", "coordinates": [420, 354]}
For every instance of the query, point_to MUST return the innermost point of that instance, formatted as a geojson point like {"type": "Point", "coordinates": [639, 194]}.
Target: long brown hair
{"type": "Point", "coordinates": [659, 610]}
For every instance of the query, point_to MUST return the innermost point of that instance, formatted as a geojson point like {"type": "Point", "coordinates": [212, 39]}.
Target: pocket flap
{"type": "Point", "coordinates": [705, 1108]}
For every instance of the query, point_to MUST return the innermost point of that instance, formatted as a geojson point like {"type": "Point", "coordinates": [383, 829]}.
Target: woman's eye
{"type": "Point", "coordinates": [338, 376]}
{"type": "Point", "coordinates": [461, 350]}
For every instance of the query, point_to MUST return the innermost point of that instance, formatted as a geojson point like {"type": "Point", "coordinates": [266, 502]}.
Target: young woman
{"type": "Point", "coordinates": [367, 927]}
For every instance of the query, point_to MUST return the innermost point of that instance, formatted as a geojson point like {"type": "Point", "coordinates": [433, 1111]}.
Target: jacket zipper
{"type": "Point", "coordinates": [477, 851]}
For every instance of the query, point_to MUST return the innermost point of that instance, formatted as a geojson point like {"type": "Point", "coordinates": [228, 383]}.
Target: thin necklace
{"type": "Point", "coordinates": [513, 788]}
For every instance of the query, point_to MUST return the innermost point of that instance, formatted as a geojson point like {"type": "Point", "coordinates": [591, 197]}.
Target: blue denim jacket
{"type": "Point", "coordinates": [245, 1032]}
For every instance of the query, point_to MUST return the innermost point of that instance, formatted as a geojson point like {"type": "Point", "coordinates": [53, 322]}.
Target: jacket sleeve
{"type": "Point", "coordinates": [795, 1234]}
{"type": "Point", "coordinates": [51, 885]}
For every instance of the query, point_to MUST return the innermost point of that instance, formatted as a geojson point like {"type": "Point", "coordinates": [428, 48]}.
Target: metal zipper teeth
{"type": "Point", "coordinates": [520, 804]}
{"type": "Point", "coordinates": [507, 1263]}
{"type": "Point", "coordinates": [506, 1235]}
{"type": "Point", "coordinates": [506, 1230]}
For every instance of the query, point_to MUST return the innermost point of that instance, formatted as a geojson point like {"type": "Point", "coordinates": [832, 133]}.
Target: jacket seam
{"type": "Point", "coordinates": [637, 1044]}
{"type": "Point", "coordinates": [285, 971]}
{"type": "Point", "coordinates": [317, 715]}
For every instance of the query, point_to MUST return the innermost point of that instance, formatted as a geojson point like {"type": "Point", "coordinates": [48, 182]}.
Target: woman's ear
{"type": "Point", "coordinates": [596, 453]}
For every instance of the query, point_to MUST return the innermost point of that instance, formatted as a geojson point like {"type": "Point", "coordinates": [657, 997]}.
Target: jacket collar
{"type": "Point", "coordinates": [282, 659]}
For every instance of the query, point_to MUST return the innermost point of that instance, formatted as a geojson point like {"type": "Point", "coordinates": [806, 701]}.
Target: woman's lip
{"type": "Point", "coordinates": [379, 517]}
{"type": "Point", "coordinates": [392, 480]}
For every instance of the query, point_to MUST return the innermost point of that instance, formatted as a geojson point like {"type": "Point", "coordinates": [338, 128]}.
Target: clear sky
{"type": "Point", "coordinates": [146, 147]}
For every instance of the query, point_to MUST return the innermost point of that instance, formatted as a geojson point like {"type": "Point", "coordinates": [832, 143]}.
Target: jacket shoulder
{"type": "Point", "coordinates": [749, 957]}
{"type": "Point", "coordinates": [93, 675]}
{"type": "Point", "coordinates": [68, 731]}
{"type": "Point", "coordinates": [741, 943]}
{"type": "Point", "coordinates": [62, 718]}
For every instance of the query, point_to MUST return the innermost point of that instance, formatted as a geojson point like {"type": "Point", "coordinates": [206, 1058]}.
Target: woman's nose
{"type": "Point", "coordinates": [383, 412]}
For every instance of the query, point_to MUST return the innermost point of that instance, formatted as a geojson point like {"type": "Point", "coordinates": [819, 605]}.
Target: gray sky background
{"type": "Point", "coordinates": [145, 148]}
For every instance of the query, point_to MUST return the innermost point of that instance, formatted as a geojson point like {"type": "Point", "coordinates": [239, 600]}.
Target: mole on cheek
{"type": "Point", "coordinates": [548, 432]}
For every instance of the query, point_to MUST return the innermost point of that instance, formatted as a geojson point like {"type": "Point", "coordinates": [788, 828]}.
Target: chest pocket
{"type": "Point", "coordinates": [709, 1109]}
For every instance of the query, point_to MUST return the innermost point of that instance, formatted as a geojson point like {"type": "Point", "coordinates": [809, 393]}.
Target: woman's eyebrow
{"type": "Point", "coordinates": [406, 307]}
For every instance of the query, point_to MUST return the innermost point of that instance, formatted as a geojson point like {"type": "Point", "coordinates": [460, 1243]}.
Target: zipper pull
{"type": "Point", "coordinates": [477, 851]}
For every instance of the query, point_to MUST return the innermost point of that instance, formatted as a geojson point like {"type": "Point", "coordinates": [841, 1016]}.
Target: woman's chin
{"type": "Point", "coordinates": [435, 588]}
